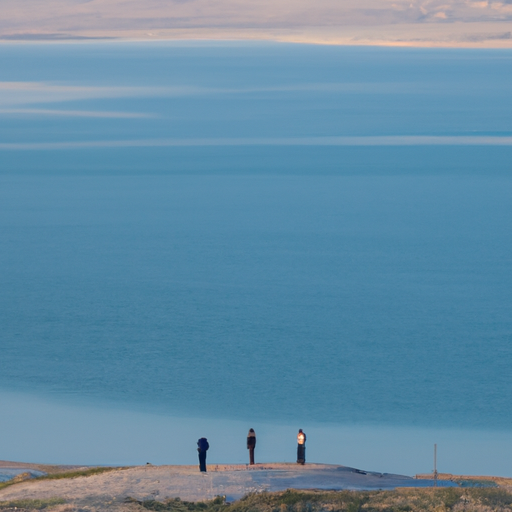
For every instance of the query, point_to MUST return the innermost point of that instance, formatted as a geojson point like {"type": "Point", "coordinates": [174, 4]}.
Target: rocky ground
{"type": "Point", "coordinates": [74, 489]}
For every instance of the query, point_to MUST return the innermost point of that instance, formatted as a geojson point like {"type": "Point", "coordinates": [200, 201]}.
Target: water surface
{"type": "Point", "coordinates": [340, 287]}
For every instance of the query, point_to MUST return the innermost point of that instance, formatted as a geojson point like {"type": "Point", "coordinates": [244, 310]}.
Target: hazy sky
{"type": "Point", "coordinates": [419, 22]}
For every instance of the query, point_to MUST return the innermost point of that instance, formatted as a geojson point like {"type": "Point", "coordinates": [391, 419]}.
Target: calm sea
{"type": "Point", "coordinates": [200, 238]}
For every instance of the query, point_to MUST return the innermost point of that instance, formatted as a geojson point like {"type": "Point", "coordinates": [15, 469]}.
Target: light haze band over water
{"type": "Point", "coordinates": [384, 140]}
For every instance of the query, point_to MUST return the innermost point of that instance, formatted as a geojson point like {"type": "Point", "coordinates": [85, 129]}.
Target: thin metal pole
{"type": "Point", "coordinates": [435, 465]}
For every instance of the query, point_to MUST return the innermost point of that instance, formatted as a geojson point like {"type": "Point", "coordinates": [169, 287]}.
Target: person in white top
{"type": "Point", "coordinates": [301, 447]}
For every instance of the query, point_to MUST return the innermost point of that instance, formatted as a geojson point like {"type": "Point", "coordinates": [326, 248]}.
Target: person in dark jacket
{"type": "Point", "coordinates": [202, 448]}
{"type": "Point", "coordinates": [251, 444]}
{"type": "Point", "coordinates": [301, 447]}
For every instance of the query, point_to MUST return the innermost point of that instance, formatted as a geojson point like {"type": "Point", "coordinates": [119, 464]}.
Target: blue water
{"type": "Point", "coordinates": [7, 474]}
{"type": "Point", "coordinates": [333, 286]}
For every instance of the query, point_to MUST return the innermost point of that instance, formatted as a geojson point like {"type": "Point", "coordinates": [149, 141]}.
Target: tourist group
{"type": "Point", "coordinates": [203, 446]}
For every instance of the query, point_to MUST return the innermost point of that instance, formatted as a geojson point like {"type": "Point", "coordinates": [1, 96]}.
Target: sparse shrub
{"type": "Point", "coordinates": [450, 496]}
{"type": "Point", "coordinates": [492, 497]}
{"type": "Point", "coordinates": [31, 504]}
{"type": "Point", "coordinates": [355, 506]}
{"type": "Point", "coordinates": [177, 505]}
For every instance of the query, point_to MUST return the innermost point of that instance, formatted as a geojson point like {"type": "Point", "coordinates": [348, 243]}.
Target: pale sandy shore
{"type": "Point", "coordinates": [423, 23]}
{"type": "Point", "coordinates": [186, 482]}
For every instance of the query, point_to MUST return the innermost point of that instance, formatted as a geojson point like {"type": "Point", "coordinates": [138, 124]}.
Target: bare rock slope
{"type": "Point", "coordinates": [232, 481]}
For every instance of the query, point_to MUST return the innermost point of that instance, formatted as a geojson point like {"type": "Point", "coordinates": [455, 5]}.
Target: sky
{"type": "Point", "coordinates": [459, 23]}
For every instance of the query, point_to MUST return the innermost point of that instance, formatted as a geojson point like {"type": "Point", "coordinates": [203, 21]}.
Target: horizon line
{"type": "Point", "coordinates": [485, 44]}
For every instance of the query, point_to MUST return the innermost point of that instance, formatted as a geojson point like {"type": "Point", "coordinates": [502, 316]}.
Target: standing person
{"type": "Point", "coordinates": [202, 448]}
{"type": "Point", "coordinates": [301, 447]}
{"type": "Point", "coordinates": [251, 444]}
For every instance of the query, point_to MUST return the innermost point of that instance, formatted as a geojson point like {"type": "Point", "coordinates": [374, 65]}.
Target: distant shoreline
{"type": "Point", "coordinates": [45, 468]}
{"type": "Point", "coordinates": [466, 36]}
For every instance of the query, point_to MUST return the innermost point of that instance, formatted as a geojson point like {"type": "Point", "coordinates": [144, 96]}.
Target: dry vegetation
{"type": "Point", "coordinates": [57, 475]}
{"type": "Point", "coordinates": [472, 481]}
{"type": "Point", "coordinates": [452, 499]}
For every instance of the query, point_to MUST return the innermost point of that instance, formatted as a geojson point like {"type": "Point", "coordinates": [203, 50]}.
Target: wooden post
{"type": "Point", "coordinates": [435, 465]}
